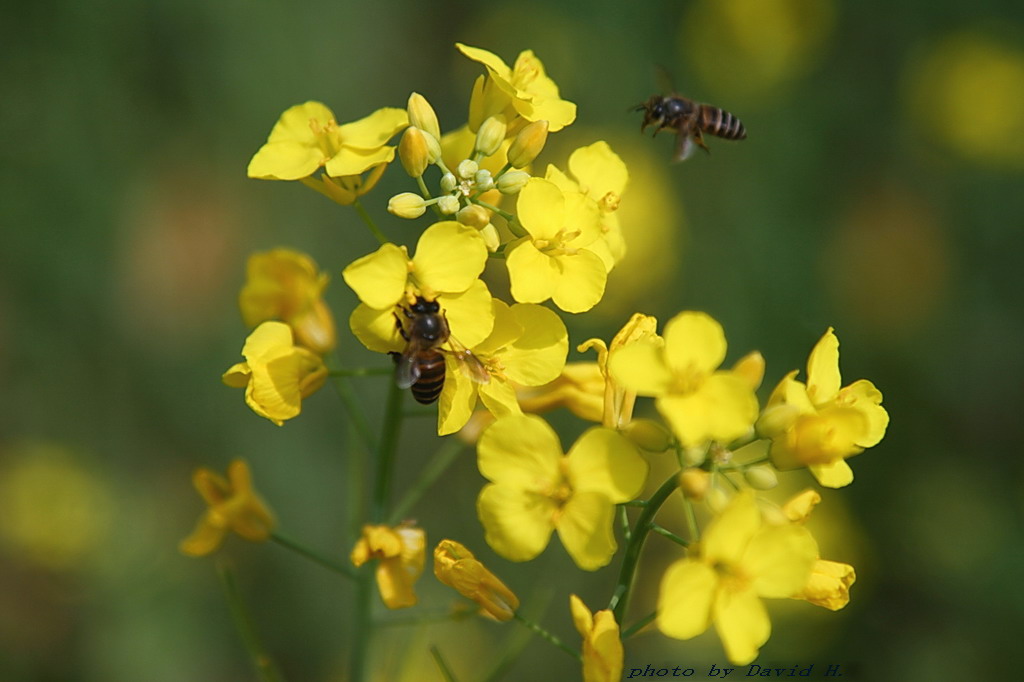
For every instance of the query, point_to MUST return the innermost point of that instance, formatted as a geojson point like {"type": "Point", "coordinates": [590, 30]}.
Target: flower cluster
{"type": "Point", "coordinates": [493, 363]}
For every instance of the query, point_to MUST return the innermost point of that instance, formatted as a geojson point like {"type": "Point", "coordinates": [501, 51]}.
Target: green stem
{"type": "Point", "coordinates": [361, 625]}
{"type": "Point", "coordinates": [669, 534]}
{"type": "Point", "coordinates": [329, 564]}
{"type": "Point", "coordinates": [626, 532]}
{"type": "Point", "coordinates": [639, 625]}
{"type": "Point", "coordinates": [620, 597]}
{"type": "Point", "coordinates": [265, 667]}
{"type": "Point", "coordinates": [544, 634]}
{"type": "Point", "coordinates": [356, 416]}
{"type": "Point", "coordinates": [369, 222]}
{"type": "Point", "coordinates": [504, 214]}
{"type": "Point", "coordinates": [386, 452]}
{"type": "Point", "coordinates": [439, 462]}
{"type": "Point", "coordinates": [446, 672]}
{"type": "Point", "coordinates": [425, 193]}
{"type": "Point", "coordinates": [691, 519]}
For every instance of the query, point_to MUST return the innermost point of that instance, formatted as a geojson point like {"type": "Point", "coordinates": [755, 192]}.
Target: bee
{"type": "Point", "coordinates": [421, 366]}
{"type": "Point", "coordinates": [690, 120]}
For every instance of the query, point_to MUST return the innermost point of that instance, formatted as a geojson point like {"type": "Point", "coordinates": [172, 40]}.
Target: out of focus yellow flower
{"type": "Point", "coordinates": [307, 138]}
{"type": "Point", "coordinates": [276, 374]}
{"type": "Point", "coordinates": [286, 285]}
{"type": "Point", "coordinates": [524, 88]}
{"type": "Point", "coordinates": [819, 424]}
{"type": "Point", "coordinates": [527, 347]}
{"type": "Point", "coordinates": [602, 646]}
{"type": "Point", "coordinates": [829, 583]}
{"type": "Point", "coordinates": [699, 401]}
{"type": "Point", "coordinates": [967, 92]}
{"type": "Point", "coordinates": [739, 560]}
{"type": "Point", "coordinates": [232, 505]}
{"type": "Point", "coordinates": [456, 567]}
{"type": "Point", "coordinates": [400, 552]}
{"type": "Point", "coordinates": [535, 489]}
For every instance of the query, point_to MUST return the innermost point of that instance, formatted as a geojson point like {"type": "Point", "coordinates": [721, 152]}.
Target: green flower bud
{"type": "Point", "coordinates": [467, 169]}
{"type": "Point", "coordinates": [448, 204]}
{"type": "Point", "coordinates": [491, 135]}
{"type": "Point", "coordinates": [483, 180]}
{"type": "Point", "coordinates": [407, 205]}
{"type": "Point", "coordinates": [473, 215]}
{"type": "Point", "coordinates": [761, 477]}
{"type": "Point", "coordinates": [512, 181]}
{"type": "Point", "coordinates": [448, 183]}
{"type": "Point", "coordinates": [648, 434]}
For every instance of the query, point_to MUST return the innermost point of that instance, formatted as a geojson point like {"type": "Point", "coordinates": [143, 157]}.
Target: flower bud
{"type": "Point", "coordinates": [491, 135]}
{"type": "Point", "coordinates": [413, 151]}
{"type": "Point", "coordinates": [433, 147]}
{"type": "Point", "coordinates": [694, 483]}
{"type": "Point", "coordinates": [422, 115]}
{"type": "Point", "coordinates": [474, 216]}
{"type": "Point", "coordinates": [491, 238]}
{"type": "Point", "coordinates": [448, 204]}
{"type": "Point", "coordinates": [512, 182]}
{"type": "Point", "coordinates": [448, 183]}
{"type": "Point", "coordinates": [761, 477]}
{"type": "Point", "coordinates": [455, 566]}
{"type": "Point", "coordinates": [718, 499]}
{"type": "Point", "coordinates": [467, 168]}
{"type": "Point", "coordinates": [407, 205]}
{"type": "Point", "coordinates": [487, 100]}
{"type": "Point", "coordinates": [528, 144]}
{"type": "Point", "coordinates": [483, 180]}
{"type": "Point", "coordinates": [648, 434]}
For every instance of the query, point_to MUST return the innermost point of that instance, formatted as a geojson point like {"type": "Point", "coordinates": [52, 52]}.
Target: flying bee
{"type": "Point", "coordinates": [421, 366]}
{"type": "Point", "coordinates": [690, 120]}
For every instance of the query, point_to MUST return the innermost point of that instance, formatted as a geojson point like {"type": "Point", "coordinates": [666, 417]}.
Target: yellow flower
{"type": "Point", "coordinates": [524, 88]}
{"type": "Point", "coordinates": [307, 137]}
{"type": "Point", "coordinates": [829, 583]}
{"type": "Point", "coordinates": [527, 346]}
{"type": "Point", "coordinates": [602, 647]}
{"type": "Point", "coordinates": [819, 424]}
{"type": "Point", "coordinates": [619, 402]}
{"type": "Point", "coordinates": [579, 388]}
{"type": "Point", "coordinates": [401, 552]}
{"type": "Point", "coordinates": [739, 560]}
{"type": "Point", "coordinates": [449, 259]}
{"type": "Point", "coordinates": [347, 188]}
{"type": "Point", "coordinates": [699, 403]}
{"type": "Point", "coordinates": [232, 505]}
{"type": "Point", "coordinates": [602, 176]}
{"type": "Point", "coordinates": [285, 285]}
{"type": "Point", "coordinates": [535, 489]}
{"type": "Point", "coordinates": [276, 374]}
{"type": "Point", "coordinates": [456, 567]}
{"type": "Point", "coordinates": [553, 260]}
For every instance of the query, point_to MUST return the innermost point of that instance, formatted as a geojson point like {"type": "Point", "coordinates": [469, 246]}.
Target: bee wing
{"type": "Point", "coordinates": [469, 363]}
{"type": "Point", "coordinates": [684, 147]}
{"type": "Point", "coordinates": [407, 370]}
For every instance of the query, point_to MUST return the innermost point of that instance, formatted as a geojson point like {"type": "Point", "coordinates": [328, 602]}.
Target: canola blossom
{"type": "Point", "coordinates": [232, 505]}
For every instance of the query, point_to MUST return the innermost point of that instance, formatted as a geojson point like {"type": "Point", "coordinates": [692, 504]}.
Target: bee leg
{"type": "Point", "coordinates": [698, 137]}
{"type": "Point", "coordinates": [401, 329]}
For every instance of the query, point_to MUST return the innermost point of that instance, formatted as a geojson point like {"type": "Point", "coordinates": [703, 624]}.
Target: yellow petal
{"type": "Point", "coordinates": [829, 585]}
{"type": "Point", "coordinates": [373, 131]}
{"type": "Point", "coordinates": [457, 400]}
{"type": "Point", "coordinates": [742, 624]}
{"type": "Point", "coordinates": [267, 341]}
{"type": "Point", "coordinates": [728, 535]}
{"type": "Point", "coordinates": [823, 378]}
{"type": "Point", "coordinates": [838, 474]}
{"type": "Point", "coordinates": [205, 539]}
{"type": "Point", "coordinates": [284, 161]}
{"type": "Point", "coordinates": [449, 257]}
{"type": "Point", "coordinates": [297, 123]}
{"type": "Point", "coordinates": [520, 451]}
{"type": "Point", "coordinates": [582, 618]}
{"type": "Point", "coordinates": [349, 161]}
{"type": "Point", "coordinates": [863, 396]}
{"type": "Point", "coordinates": [488, 59]}
{"type": "Point", "coordinates": [598, 170]}
{"type": "Point", "coordinates": [582, 281]}
{"type": "Point", "coordinates": [583, 216]}
{"type": "Point", "coordinates": [604, 461]}
{"type": "Point", "coordinates": [469, 313]}
{"type": "Point", "coordinates": [641, 367]}
{"type": "Point", "coordinates": [585, 529]}
{"type": "Point", "coordinates": [533, 275]}
{"type": "Point", "coordinates": [499, 397]}
{"type": "Point", "coordinates": [684, 602]}
{"type": "Point", "coordinates": [779, 559]}
{"type": "Point", "coordinates": [538, 355]}
{"type": "Point", "coordinates": [602, 651]}
{"type": "Point", "coordinates": [517, 523]}
{"type": "Point", "coordinates": [505, 332]}
{"type": "Point", "coordinates": [541, 209]}
{"type": "Point", "coordinates": [694, 344]}
{"type": "Point", "coordinates": [723, 409]}
{"type": "Point", "coordinates": [274, 393]}
{"type": "Point", "coordinates": [237, 375]}
{"type": "Point", "coordinates": [395, 584]}
{"type": "Point", "coordinates": [376, 329]}
{"type": "Point", "coordinates": [379, 278]}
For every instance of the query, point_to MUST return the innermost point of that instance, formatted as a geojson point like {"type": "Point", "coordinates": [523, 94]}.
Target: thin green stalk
{"type": "Point", "coordinates": [358, 206]}
{"type": "Point", "coordinates": [639, 625]}
{"type": "Point", "coordinates": [438, 463]}
{"type": "Point", "coordinates": [691, 519]}
{"type": "Point", "coordinates": [329, 564]}
{"type": "Point", "coordinates": [356, 416]}
{"type": "Point", "coordinates": [386, 452]}
{"type": "Point", "coordinates": [265, 667]}
{"type": "Point", "coordinates": [624, 517]}
{"type": "Point", "coordinates": [620, 596]}
{"type": "Point", "coordinates": [669, 534]}
{"type": "Point", "coordinates": [446, 672]}
{"type": "Point", "coordinates": [361, 624]}
{"type": "Point", "coordinates": [513, 226]}
{"type": "Point", "coordinates": [544, 634]}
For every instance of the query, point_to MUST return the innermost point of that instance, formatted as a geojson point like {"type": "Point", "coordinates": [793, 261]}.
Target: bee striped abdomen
{"type": "Point", "coordinates": [431, 379]}
{"type": "Point", "coordinates": [721, 123]}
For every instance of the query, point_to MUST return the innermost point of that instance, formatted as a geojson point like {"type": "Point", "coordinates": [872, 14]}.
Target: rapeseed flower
{"type": "Point", "coordinates": [602, 647]}
{"type": "Point", "coordinates": [618, 401]}
{"type": "Point", "coordinates": [401, 553]}
{"type": "Point", "coordinates": [276, 374]}
{"type": "Point", "coordinates": [232, 505]}
{"type": "Point", "coordinates": [829, 583]}
{"type": "Point", "coordinates": [456, 567]}
{"type": "Point", "coordinates": [535, 489]}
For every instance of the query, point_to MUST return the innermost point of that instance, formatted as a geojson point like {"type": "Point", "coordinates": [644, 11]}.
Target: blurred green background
{"type": "Point", "coordinates": [880, 191]}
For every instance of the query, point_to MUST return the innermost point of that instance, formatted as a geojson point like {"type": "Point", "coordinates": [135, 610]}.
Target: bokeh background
{"type": "Point", "coordinates": [880, 191]}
